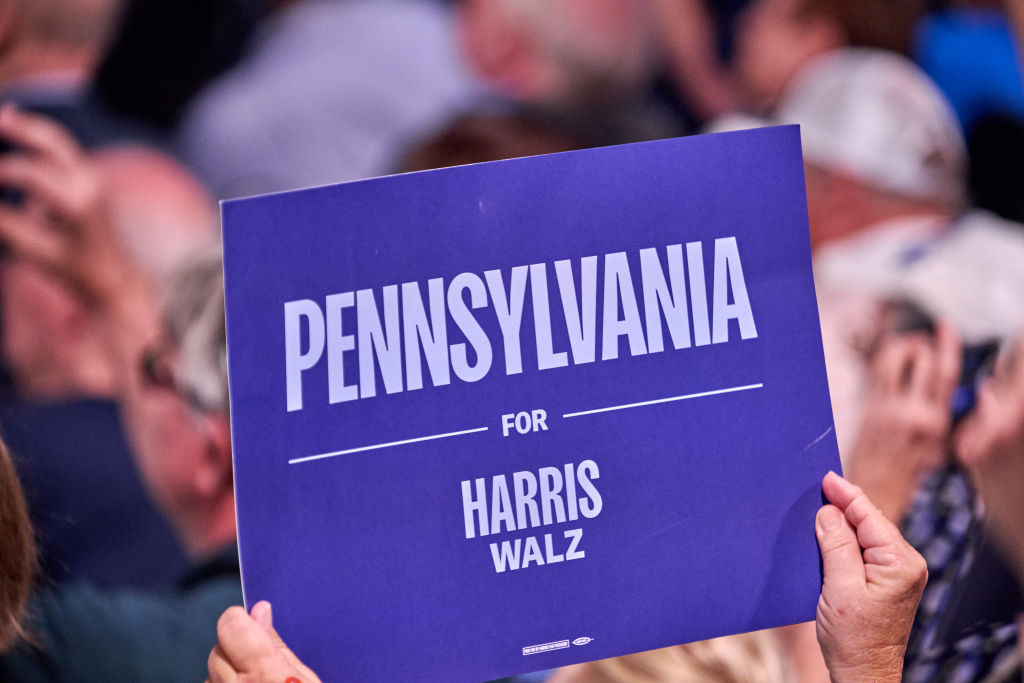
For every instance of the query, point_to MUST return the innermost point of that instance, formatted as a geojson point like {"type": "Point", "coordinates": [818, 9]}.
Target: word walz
{"type": "Point", "coordinates": [394, 333]}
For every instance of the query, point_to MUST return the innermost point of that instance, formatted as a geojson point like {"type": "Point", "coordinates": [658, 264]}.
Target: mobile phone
{"type": "Point", "coordinates": [977, 360]}
{"type": "Point", "coordinates": [977, 364]}
{"type": "Point", "coordinates": [10, 195]}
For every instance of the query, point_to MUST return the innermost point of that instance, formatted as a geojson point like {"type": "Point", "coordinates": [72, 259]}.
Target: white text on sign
{"type": "Point", "coordinates": [524, 422]}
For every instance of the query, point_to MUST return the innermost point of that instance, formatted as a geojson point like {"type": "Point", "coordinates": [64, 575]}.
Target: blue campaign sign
{"type": "Point", "coordinates": [512, 416]}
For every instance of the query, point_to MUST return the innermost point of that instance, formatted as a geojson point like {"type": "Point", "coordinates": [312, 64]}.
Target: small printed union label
{"type": "Point", "coordinates": [546, 647]}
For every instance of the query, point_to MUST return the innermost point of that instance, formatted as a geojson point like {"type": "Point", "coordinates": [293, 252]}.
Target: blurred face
{"type": "Point", "coordinates": [612, 24]}
{"type": "Point", "coordinates": [38, 330]}
{"type": "Point", "coordinates": [832, 210]}
{"type": "Point", "coordinates": [816, 182]}
{"type": "Point", "coordinates": [991, 444]}
{"type": "Point", "coordinates": [774, 39]}
{"type": "Point", "coordinates": [167, 434]}
{"type": "Point", "coordinates": [559, 52]}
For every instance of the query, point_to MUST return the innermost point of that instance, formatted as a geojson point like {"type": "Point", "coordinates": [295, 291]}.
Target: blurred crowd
{"type": "Point", "coordinates": [123, 121]}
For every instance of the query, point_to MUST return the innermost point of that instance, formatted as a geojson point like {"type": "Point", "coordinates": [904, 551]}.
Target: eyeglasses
{"type": "Point", "coordinates": [156, 366]}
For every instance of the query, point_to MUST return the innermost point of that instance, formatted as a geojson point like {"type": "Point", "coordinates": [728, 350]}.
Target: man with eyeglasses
{"type": "Point", "coordinates": [175, 411]}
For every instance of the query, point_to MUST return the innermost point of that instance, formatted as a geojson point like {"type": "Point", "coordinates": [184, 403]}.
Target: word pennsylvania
{"type": "Point", "coordinates": [394, 333]}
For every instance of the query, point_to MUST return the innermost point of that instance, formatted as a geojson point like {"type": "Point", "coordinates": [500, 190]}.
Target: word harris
{"type": "Point", "coordinates": [395, 343]}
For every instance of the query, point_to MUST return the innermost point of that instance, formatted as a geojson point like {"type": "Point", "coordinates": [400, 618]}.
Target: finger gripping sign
{"type": "Point", "coordinates": [511, 416]}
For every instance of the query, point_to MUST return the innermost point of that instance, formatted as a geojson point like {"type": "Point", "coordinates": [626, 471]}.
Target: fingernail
{"type": "Point", "coordinates": [261, 612]}
{"type": "Point", "coordinates": [840, 481]}
{"type": "Point", "coordinates": [830, 518]}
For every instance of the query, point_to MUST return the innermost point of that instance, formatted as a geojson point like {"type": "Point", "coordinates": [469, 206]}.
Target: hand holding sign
{"type": "Point", "coordinates": [431, 370]}
{"type": "Point", "coordinates": [873, 582]}
{"type": "Point", "coordinates": [249, 649]}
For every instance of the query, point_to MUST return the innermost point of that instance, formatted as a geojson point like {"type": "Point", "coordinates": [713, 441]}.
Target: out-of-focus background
{"type": "Point", "coordinates": [912, 114]}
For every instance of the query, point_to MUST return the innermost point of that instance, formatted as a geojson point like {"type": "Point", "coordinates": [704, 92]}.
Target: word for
{"type": "Point", "coordinates": [533, 421]}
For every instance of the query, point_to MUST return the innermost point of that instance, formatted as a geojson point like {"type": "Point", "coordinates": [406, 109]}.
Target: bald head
{"type": "Point", "coordinates": [160, 212]}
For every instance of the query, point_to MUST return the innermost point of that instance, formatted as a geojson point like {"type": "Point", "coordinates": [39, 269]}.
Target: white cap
{"type": "Point", "coordinates": [877, 116]}
{"type": "Point", "coordinates": [972, 277]}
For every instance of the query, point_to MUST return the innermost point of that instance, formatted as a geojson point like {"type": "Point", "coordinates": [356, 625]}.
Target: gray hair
{"type": "Point", "coordinates": [590, 60]}
{"type": "Point", "coordinates": [194, 320]}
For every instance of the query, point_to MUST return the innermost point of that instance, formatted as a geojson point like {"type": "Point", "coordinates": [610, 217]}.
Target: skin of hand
{"type": "Point", "coordinates": [687, 33]}
{"type": "Point", "coordinates": [990, 443]}
{"type": "Point", "coordinates": [64, 228]}
{"type": "Point", "coordinates": [249, 650]}
{"type": "Point", "coordinates": [906, 428]}
{"type": "Point", "coordinates": [873, 583]}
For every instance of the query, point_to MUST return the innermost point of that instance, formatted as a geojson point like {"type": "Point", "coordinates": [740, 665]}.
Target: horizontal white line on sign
{"type": "Point", "coordinates": [665, 400]}
{"type": "Point", "coordinates": [347, 451]}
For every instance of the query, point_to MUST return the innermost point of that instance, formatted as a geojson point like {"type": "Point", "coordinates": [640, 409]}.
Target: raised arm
{"type": "Point", "coordinates": [873, 583]}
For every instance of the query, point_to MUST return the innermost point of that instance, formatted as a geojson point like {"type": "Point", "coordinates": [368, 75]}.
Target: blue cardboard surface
{"type": "Point", "coordinates": [603, 367]}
